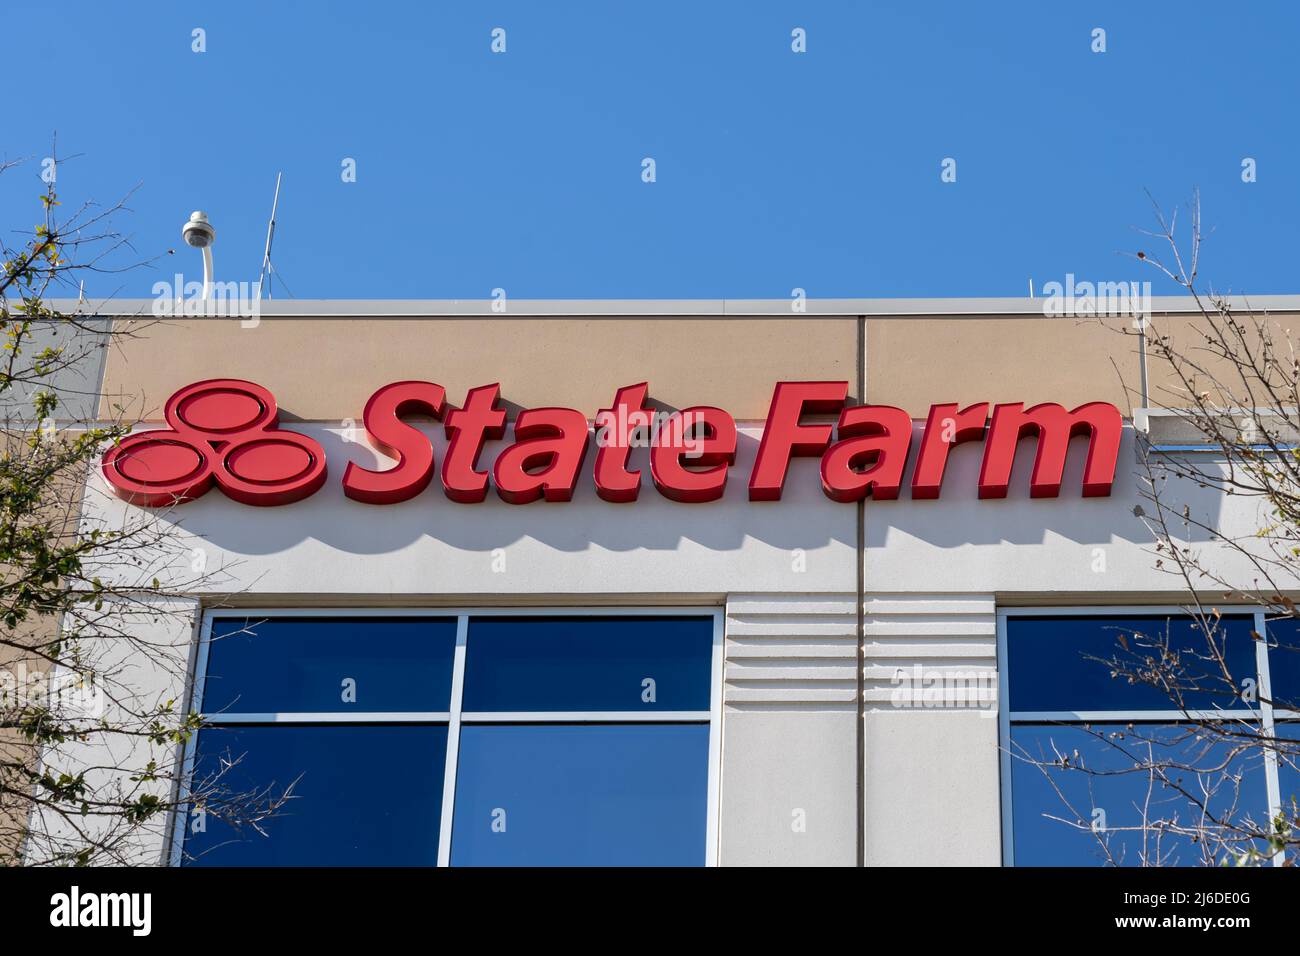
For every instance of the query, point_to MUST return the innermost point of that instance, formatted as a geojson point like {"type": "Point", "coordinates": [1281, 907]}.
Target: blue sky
{"type": "Point", "coordinates": [774, 170]}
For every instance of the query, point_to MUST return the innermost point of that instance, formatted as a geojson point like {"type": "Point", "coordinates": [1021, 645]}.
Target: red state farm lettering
{"type": "Point", "coordinates": [878, 435]}
{"type": "Point", "coordinates": [224, 433]}
{"type": "Point", "coordinates": [468, 428]}
{"type": "Point", "coordinates": [944, 428]}
{"type": "Point", "coordinates": [615, 428]}
{"type": "Point", "coordinates": [396, 439]}
{"type": "Point", "coordinates": [1054, 427]}
{"type": "Point", "coordinates": [546, 457]}
{"type": "Point", "coordinates": [785, 436]}
{"type": "Point", "coordinates": [710, 454]}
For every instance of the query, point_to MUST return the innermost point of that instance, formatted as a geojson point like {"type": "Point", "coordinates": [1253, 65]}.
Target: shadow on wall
{"type": "Point", "coordinates": [805, 518]}
{"type": "Point", "coordinates": [960, 518]}
{"type": "Point", "coordinates": [77, 383]}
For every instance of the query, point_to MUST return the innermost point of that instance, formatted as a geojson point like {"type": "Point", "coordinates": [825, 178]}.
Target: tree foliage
{"type": "Point", "coordinates": [88, 741]}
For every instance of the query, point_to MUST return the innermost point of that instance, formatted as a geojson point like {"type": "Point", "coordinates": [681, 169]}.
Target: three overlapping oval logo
{"type": "Point", "coordinates": [223, 432]}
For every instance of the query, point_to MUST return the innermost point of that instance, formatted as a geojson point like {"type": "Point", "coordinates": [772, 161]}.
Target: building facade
{"type": "Point", "coordinates": [654, 659]}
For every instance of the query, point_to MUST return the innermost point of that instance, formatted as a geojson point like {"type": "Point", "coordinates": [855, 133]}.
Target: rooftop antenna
{"type": "Point", "coordinates": [267, 268]}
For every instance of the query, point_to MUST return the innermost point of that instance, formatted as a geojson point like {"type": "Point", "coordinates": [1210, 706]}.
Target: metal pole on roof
{"type": "Point", "coordinates": [270, 237]}
{"type": "Point", "coordinates": [1142, 364]}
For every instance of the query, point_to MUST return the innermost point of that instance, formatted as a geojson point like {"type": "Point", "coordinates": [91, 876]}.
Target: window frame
{"type": "Point", "coordinates": [1267, 717]}
{"type": "Point", "coordinates": [456, 716]}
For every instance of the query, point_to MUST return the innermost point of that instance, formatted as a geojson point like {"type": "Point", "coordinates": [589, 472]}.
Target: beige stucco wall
{"type": "Point", "coordinates": [1199, 345]}
{"type": "Point", "coordinates": [913, 362]}
{"type": "Point", "coordinates": [16, 752]}
{"type": "Point", "coordinates": [325, 369]}
{"type": "Point", "coordinates": [62, 499]}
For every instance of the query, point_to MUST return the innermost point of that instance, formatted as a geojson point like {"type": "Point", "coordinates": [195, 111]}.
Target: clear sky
{"type": "Point", "coordinates": [773, 169]}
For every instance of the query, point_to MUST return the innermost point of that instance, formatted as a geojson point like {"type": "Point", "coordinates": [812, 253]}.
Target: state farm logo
{"type": "Point", "coordinates": [223, 432]}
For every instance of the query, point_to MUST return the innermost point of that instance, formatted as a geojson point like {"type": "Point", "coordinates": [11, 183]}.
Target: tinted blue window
{"type": "Point", "coordinates": [1121, 794]}
{"type": "Point", "coordinates": [589, 795]}
{"type": "Point", "coordinates": [588, 663]}
{"type": "Point", "coordinates": [362, 795]}
{"type": "Point", "coordinates": [1051, 665]}
{"type": "Point", "coordinates": [284, 665]}
{"type": "Point", "coordinates": [1284, 663]}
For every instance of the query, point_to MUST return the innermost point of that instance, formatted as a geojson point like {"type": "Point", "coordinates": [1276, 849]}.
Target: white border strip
{"type": "Point", "coordinates": [585, 717]}
{"type": "Point", "coordinates": [1129, 716]}
{"type": "Point", "coordinates": [845, 308]}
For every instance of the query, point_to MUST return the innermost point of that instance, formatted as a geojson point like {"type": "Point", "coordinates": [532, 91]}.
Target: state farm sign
{"type": "Point", "coordinates": [225, 432]}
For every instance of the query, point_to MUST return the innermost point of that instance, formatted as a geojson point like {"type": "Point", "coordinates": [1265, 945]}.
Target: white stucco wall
{"type": "Point", "coordinates": [141, 680]}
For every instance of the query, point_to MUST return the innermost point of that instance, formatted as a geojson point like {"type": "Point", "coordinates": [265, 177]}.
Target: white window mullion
{"type": "Point", "coordinates": [712, 826]}
{"type": "Point", "coordinates": [586, 717]}
{"type": "Point", "coordinates": [1271, 785]}
{"type": "Point", "coordinates": [181, 815]}
{"type": "Point", "coordinates": [333, 717]}
{"type": "Point", "coordinates": [1129, 716]}
{"type": "Point", "coordinates": [1004, 743]}
{"type": "Point", "coordinates": [453, 741]}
